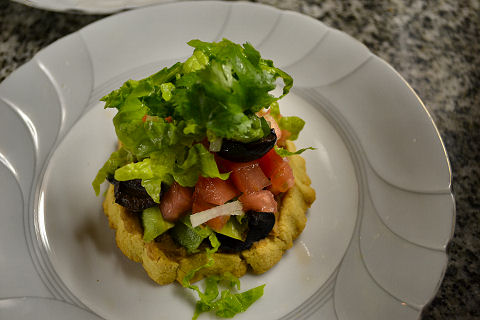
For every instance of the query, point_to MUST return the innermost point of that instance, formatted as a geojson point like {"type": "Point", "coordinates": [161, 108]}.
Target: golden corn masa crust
{"type": "Point", "coordinates": [165, 261]}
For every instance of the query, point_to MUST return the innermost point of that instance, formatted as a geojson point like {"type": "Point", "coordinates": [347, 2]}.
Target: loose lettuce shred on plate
{"type": "Point", "coordinates": [228, 304]}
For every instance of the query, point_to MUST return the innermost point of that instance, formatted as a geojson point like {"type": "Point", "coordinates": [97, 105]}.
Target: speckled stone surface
{"type": "Point", "coordinates": [435, 46]}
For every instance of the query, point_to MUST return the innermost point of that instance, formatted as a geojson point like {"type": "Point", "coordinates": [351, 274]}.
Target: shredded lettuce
{"type": "Point", "coordinates": [213, 95]}
{"type": "Point", "coordinates": [229, 303]}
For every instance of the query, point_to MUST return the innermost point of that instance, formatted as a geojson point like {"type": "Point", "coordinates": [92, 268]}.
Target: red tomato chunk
{"type": "Point", "coordinates": [176, 201]}
{"type": "Point", "coordinates": [260, 201]}
{"type": "Point", "coordinates": [282, 179]}
{"type": "Point", "coordinates": [215, 190]}
{"type": "Point", "coordinates": [278, 171]}
{"type": "Point", "coordinates": [249, 178]}
{"type": "Point", "coordinates": [270, 162]}
{"type": "Point", "coordinates": [199, 204]}
{"type": "Point", "coordinates": [210, 192]}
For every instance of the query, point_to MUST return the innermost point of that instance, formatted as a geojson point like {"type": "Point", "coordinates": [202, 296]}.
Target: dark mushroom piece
{"type": "Point", "coordinates": [244, 152]}
{"type": "Point", "coordinates": [259, 226]}
{"type": "Point", "coordinates": [131, 195]}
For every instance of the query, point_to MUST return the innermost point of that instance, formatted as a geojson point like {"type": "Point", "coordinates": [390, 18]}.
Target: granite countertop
{"type": "Point", "coordinates": [434, 45]}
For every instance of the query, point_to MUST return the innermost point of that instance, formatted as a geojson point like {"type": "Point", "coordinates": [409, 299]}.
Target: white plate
{"type": "Point", "coordinates": [90, 6]}
{"type": "Point", "coordinates": [374, 246]}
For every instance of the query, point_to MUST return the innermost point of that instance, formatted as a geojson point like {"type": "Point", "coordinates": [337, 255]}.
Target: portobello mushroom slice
{"type": "Point", "coordinates": [244, 152]}
{"type": "Point", "coordinates": [131, 195]}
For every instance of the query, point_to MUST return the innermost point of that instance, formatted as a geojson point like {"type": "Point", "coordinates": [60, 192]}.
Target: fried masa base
{"type": "Point", "coordinates": [165, 261]}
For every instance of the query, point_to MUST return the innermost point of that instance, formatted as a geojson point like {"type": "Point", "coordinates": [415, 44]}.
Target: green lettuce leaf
{"type": "Point", "coordinates": [198, 162]}
{"type": "Point", "coordinates": [293, 125]}
{"type": "Point", "coordinates": [117, 159]}
{"type": "Point", "coordinates": [208, 166]}
{"type": "Point", "coordinates": [196, 62]}
{"type": "Point", "coordinates": [275, 110]}
{"type": "Point", "coordinates": [229, 303]}
{"type": "Point", "coordinates": [154, 224]}
{"type": "Point", "coordinates": [166, 89]}
{"type": "Point", "coordinates": [152, 171]}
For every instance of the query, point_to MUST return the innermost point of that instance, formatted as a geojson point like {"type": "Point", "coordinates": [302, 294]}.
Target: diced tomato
{"type": "Point", "coordinates": [278, 171]}
{"type": "Point", "coordinates": [270, 162]}
{"type": "Point", "coordinates": [215, 190]}
{"type": "Point", "coordinates": [249, 179]}
{"type": "Point", "coordinates": [199, 204]}
{"type": "Point", "coordinates": [176, 201]}
{"type": "Point", "coordinates": [246, 176]}
{"type": "Point", "coordinates": [260, 201]}
{"type": "Point", "coordinates": [210, 192]}
{"type": "Point", "coordinates": [217, 223]}
{"type": "Point", "coordinates": [225, 165]}
{"type": "Point", "coordinates": [282, 179]}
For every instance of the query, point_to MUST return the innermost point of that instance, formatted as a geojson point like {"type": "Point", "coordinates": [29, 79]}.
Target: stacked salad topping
{"type": "Point", "coordinates": [201, 153]}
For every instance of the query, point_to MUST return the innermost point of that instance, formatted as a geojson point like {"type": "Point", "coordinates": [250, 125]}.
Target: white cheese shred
{"type": "Point", "coordinates": [233, 208]}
